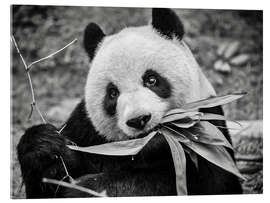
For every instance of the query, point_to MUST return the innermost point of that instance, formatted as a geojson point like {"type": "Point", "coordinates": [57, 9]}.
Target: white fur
{"type": "Point", "coordinates": [141, 101]}
{"type": "Point", "coordinates": [122, 59]}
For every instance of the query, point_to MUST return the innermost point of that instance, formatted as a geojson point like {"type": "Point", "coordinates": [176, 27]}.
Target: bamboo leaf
{"type": "Point", "coordinates": [186, 122]}
{"type": "Point", "coordinates": [121, 148]}
{"type": "Point", "coordinates": [212, 102]}
{"type": "Point", "coordinates": [175, 111]}
{"type": "Point", "coordinates": [211, 116]}
{"type": "Point", "coordinates": [193, 156]}
{"type": "Point", "coordinates": [210, 134]}
{"type": "Point", "coordinates": [205, 103]}
{"type": "Point", "coordinates": [173, 133]}
{"type": "Point", "coordinates": [216, 155]}
{"type": "Point", "coordinates": [179, 161]}
{"type": "Point", "coordinates": [184, 125]}
{"type": "Point", "coordinates": [207, 133]}
{"type": "Point", "coordinates": [193, 115]}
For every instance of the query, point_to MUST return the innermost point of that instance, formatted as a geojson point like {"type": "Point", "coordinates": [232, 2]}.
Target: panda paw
{"type": "Point", "coordinates": [39, 150]}
{"type": "Point", "coordinates": [42, 152]}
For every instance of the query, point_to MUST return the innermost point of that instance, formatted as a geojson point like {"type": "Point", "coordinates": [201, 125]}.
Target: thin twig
{"type": "Point", "coordinates": [33, 104]}
{"type": "Point", "coordinates": [39, 112]}
{"type": "Point", "coordinates": [27, 69]}
{"type": "Point", "coordinates": [19, 52]}
{"type": "Point", "coordinates": [31, 111]}
{"type": "Point", "coordinates": [70, 179]}
{"type": "Point", "coordinates": [60, 131]}
{"type": "Point", "coordinates": [57, 188]}
{"type": "Point", "coordinates": [52, 54]}
{"type": "Point", "coordinates": [74, 186]}
{"type": "Point", "coordinates": [66, 171]}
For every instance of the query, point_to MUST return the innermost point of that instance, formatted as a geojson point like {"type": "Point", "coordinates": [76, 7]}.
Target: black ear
{"type": "Point", "coordinates": [167, 23]}
{"type": "Point", "coordinates": [93, 35]}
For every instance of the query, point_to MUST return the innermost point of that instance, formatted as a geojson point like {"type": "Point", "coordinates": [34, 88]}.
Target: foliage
{"type": "Point", "coordinates": [185, 129]}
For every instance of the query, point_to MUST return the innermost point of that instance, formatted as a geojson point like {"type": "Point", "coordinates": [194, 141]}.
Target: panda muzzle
{"type": "Point", "coordinates": [139, 122]}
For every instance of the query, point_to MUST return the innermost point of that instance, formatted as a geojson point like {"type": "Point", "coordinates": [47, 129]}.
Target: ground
{"type": "Point", "coordinates": [60, 80]}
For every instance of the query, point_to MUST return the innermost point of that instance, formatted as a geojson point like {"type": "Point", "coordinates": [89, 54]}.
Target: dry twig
{"type": "Point", "coordinates": [33, 104]}
{"type": "Point", "coordinates": [27, 69]}
{"type": "Point", "coordinates": [66, 171]}
{"type": "Point", "coordinates": [52, 54]}
{"type": "Point", "coordinates": [74, 186]}
{"type": "Point", "coordinates": [60, 131]}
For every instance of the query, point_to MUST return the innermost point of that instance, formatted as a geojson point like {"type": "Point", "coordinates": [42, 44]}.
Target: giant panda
{"type": "Point", "coordinates": [135, 77]}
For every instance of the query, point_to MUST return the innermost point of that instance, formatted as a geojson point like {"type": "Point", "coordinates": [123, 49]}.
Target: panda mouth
{"type": "Point", "coordinates": [144, 134]}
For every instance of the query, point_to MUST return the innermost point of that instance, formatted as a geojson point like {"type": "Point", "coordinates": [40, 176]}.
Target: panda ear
{"type": "Point", "coordinates": [167, 23]}
{"type": "Point", "coordinates": [93, 35]}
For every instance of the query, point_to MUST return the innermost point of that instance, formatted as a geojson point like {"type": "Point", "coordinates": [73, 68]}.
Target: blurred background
{"type": "Point", "coordinates": [226, 43]}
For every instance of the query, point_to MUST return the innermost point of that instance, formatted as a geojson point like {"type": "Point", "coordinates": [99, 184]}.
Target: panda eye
{"type": "Point", "coordinates": [113, 93]}
{"type": "Point", "coordinates": [150, 81]}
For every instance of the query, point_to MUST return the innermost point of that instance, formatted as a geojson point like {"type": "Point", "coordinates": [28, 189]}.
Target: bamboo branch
{"type": "Point", "coordinates": [74, 186]}
{"type": "Point", "coordinates": [27, 69]}
{"type": "Point", "coordinates": [60, 131]}
{"type": "Point", "coordinates": [52, 54]}
{"type": "Point", "coordinates": [33, 104]}
{"type": "Point", "coordinates": [71, 180]}
{"type": "Point", "coordinates": [19, 52]}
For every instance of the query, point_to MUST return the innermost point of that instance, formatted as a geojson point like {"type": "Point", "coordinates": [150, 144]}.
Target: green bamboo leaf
{"type": "Point", "coordinates": [212, 102]}
{"type": "Point", "coordinates": [217, 155]}
{"type": "Point", "coordinates": [121, 148]}
{"type": "Point", "coordinates": [179, 161]}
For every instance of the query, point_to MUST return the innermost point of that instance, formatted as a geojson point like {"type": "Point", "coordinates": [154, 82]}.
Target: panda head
{"type": "Point", "coordinates": [138, 74]}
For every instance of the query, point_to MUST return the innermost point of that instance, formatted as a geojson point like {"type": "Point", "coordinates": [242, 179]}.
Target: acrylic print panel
{"type": "Point", "coordinates": [142, 70]}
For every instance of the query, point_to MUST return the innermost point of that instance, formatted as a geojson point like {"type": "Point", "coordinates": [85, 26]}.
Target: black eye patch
{"type": "Point", "coordinates": [161, 86]}
{"type": "Point", "coordinates": [110, 99]}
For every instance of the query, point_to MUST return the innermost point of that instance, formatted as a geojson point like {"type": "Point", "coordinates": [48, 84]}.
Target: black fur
{"type": "Point", "coordinates": [167, 23]}
{"type": "Point", "coordinates": [162, 87]}
{"type": "Point", "coordinates": [39, 152]}
{"type": "Point", "coordinates": [150, 173]}
{"type": "Point", "coordinates": [109, 103]}
{"type": "Point", "coordinates": [93, 35]}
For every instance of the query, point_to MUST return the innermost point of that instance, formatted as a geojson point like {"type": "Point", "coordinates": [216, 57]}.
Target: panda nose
{"type": "Point", "coordinates": [139, 122]}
